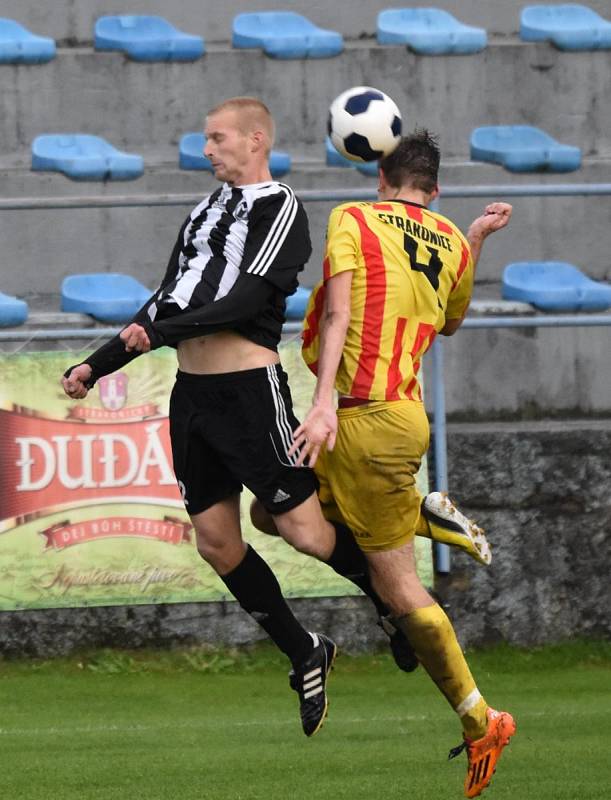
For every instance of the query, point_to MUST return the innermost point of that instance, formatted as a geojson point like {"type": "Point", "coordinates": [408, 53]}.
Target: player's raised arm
{"type": "Point", "coordinates": [495, 217]}
{"type": "Point", "coordinates": [125, 346]}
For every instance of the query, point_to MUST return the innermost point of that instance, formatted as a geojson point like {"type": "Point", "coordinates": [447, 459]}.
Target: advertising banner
{"type": "Point", "coordinates": [90, 513]}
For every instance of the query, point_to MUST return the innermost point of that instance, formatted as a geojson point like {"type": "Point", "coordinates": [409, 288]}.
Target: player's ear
{"type": "Point", "coordinates": [382, 182]}
{"type": "Point", "coordinates": [258, 140]}
{"type": "Point", "coordinates": [435, 192]}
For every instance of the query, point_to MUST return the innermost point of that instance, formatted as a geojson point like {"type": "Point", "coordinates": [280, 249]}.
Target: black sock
{"type": "Point", "coordinates": [349, 561]}
{"type": "Point", "coordinates": [256, 589]}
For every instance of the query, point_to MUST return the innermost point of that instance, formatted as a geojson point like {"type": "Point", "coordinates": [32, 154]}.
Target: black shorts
{"type": "Point", "coordinates": [233, 430]}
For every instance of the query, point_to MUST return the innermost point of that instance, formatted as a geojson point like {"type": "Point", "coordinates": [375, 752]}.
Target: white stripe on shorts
{"type": "Point", "coordinates": [282, 423]}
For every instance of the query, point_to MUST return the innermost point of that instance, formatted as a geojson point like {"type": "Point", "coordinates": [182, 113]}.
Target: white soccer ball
{"type": "Point", "coordinates": [364, 124]}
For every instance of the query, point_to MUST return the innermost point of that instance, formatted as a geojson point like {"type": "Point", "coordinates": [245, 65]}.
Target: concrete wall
{"type": "Point", "coordinates": [147, 107]}
{"type": "Point", "coordinates": [541, 492]}
{"type": "Point", "coordinates": [73, 20]}
{"type": "Point", "coordinates": [138, 105]}
{"type": "Point", "coordinates": [526, 373]}
{"type": "Point", "coordinates": [138, 240]}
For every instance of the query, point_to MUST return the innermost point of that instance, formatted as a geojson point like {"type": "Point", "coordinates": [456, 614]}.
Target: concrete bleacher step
{"type": "Point", "coordinates": [51, 318]}
{"type": "Point", "coordinates": [162, 175]}
{"type": "Point", "coordinates": [107, 95]}
{"type": "Point", "coordinates": [137, 240]}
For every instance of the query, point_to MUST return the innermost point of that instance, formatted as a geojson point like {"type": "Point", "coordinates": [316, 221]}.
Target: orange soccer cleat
{"type": "Point", "coordinates": [483, 753]}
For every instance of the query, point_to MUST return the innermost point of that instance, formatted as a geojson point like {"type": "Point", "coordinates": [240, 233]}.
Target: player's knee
{"type": "Point", "coordinates": [211, 546]}
{"type": "Point", "coordinates": [303, 542]}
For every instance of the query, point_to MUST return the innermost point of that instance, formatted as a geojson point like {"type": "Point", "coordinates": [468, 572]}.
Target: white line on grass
{"type": "Point", "coordinates": [202, 724]}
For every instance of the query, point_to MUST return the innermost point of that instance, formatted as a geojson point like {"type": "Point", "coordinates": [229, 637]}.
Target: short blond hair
{"type": "Point", "coordinates": [252, 113]}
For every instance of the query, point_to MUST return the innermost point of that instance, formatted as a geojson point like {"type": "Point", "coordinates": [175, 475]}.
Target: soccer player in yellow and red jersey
{"type": "Point", "coordinates": [395, 275]}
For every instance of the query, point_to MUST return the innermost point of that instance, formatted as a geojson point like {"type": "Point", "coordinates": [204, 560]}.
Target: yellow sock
{"type": "Point", "coordinates": [432, 636]}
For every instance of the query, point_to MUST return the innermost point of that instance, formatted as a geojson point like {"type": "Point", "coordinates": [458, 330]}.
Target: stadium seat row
{"type": "Point", "coordinates": [285, 34]}
{"type": "Point", "coordinates": [518, 148]}
{"type": "Point", "coordinates": [82, 156]}
{"type": "Point", "coordinates": [111, 298]}
{"type": "Point", "coordinates": [551, 286]}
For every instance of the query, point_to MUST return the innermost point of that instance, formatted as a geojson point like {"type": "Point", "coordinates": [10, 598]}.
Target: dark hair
{"type": "Point", "coordinates": [414, 162]}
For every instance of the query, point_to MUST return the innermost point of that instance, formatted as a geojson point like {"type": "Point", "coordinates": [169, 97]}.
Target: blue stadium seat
{"type": "Point", "coordinates": [109, 297]}
{"type": "Point", "coordinates": [297, 303]}
{"type": "Point", "coordinates": [335, 159]}
{"type": "Point", "coordinates": [369, 168]}
{"type": "Point", "coordinates": [12, 311]}
{"type": "Point", "coordinates": [191, 156]}
{"type": "Point", "coordinates": [522, 148]}
{"type": "Point", "coordinates": [19, 46]}
{"type": "Point", "coordinates": [284, 34]}
{"type": "Point", "coordinates": [554, 286]}
{"type": "Point", "coordinates": [430, 31]}
{"type": "Point", "coordinates": [569, 27]}
{"type": "Point", "coordinates": [84, 157]}
{"type": "Point", "coordinates": [146, 38]}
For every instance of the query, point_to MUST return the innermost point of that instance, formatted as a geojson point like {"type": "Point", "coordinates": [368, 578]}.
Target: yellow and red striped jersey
{"type": "Point", "coordinates": [412, 270]}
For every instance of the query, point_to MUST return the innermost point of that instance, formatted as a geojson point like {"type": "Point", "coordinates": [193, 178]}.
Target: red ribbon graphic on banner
{"type": "Point", "coordinates": [65, 534]}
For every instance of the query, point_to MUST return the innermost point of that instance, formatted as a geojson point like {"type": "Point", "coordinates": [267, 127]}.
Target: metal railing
{"type": "Point", "coordinates": [442, 557]}
{"type": "Point", "coordinates": [307, 195]}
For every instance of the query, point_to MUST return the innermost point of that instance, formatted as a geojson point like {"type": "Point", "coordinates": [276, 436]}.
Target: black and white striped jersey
{"type": "Point", "coordinates": [236, 259]}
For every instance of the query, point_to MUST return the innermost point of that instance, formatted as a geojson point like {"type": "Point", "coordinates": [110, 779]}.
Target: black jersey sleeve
{"type": "Point", "coordinates": [112, 355]}
{"type": "Point", "coordinates": [278, 242]}
{"type": "Point", "coordinates": [276, 248]}
{"type": "Point", "coordinates": [246, 299]}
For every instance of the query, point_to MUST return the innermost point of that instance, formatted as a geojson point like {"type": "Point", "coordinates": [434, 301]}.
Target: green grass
{"type": "Point", "coordinates": [211, 725]}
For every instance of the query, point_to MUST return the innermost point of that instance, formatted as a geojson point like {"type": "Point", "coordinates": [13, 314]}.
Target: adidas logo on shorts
{"type": "Point", "coordinates": [280, 496]}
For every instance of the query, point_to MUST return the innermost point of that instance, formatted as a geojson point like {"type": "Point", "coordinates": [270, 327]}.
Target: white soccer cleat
{"type": "Point", "coordinates": [449, 526]}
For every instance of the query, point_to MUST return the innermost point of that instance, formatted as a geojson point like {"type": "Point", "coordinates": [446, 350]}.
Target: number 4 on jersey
{"type": "Point", "coordinates": [430, 270]}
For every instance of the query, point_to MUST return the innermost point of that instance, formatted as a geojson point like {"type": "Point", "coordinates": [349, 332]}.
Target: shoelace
{"type": "Point", "coordinates": [456, 751]}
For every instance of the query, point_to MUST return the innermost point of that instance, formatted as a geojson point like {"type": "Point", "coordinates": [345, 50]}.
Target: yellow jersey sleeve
{"type": "Point", "coordinates": [342, 250]}
{"type": "Point", "coordinates": [460, 294]}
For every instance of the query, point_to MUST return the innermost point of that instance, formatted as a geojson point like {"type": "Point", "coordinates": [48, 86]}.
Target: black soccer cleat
{"type": "Point", "coordinates": [402, 651]}
{"type": "Point", "coordinates": [309, 680]}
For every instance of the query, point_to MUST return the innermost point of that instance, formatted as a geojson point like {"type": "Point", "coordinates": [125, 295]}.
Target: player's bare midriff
{"type": "Point", "coordinates": [222, 352]}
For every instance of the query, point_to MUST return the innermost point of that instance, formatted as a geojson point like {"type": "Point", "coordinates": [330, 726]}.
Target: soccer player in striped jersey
{"type": "Point", "coordinates": [395, 275]}
{"type": "Point", "coordinates": [222, 305]}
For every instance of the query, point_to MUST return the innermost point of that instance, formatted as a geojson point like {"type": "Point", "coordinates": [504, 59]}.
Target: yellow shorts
{"type": "Point", "coordinates": [368, 480]}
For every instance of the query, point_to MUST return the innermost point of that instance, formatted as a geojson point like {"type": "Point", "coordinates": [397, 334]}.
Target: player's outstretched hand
{"type": "Point", "coordinates": [75, 385]}
{"type": "Point", "coordinates": [495, 217]}
{"type": "Point", "coordinates": [318, 428]}
{"type": "Point", "coordinates": [135, 338]}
